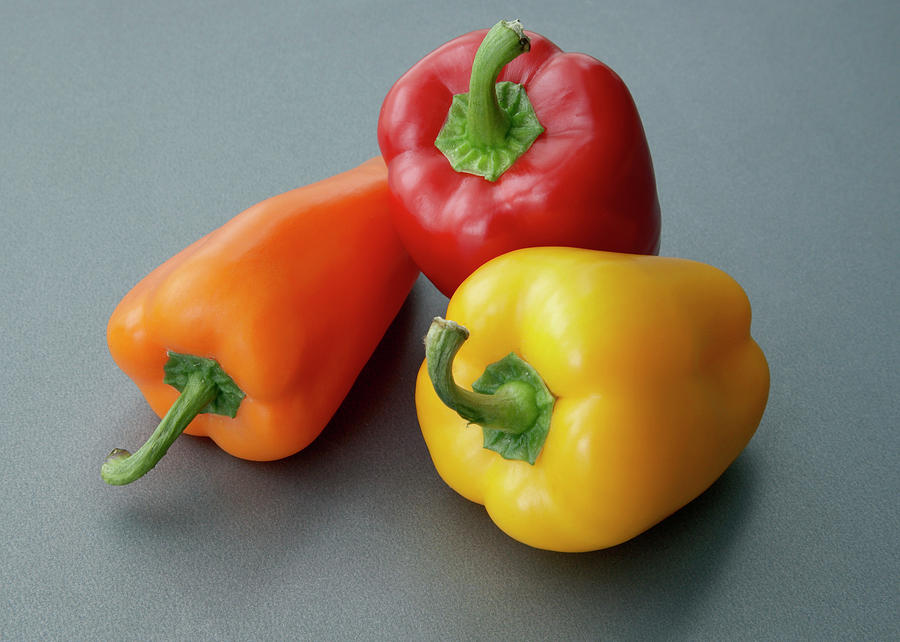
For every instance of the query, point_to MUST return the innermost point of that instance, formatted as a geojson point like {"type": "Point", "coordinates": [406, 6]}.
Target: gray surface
{"type": "Point", "coordinates": [129, 130]}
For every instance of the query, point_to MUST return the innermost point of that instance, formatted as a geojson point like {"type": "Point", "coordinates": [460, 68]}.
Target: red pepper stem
{"type": "Point", "coordinates": [121, 467]}
{"type": "Point", "coordinates": [487, 123]}
{"type": "Point", "coordinates": [511, 409]}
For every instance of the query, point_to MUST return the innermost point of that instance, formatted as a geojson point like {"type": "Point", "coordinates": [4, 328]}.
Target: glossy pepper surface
{"type": "Point", "coordinates": [553, 154]}
{"type": "Point", "coordinates": [611, 390]}
{"type": "Point", "coordinates": [260, 319]}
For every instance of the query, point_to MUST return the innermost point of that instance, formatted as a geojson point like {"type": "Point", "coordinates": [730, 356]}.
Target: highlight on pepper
{"type": "Point", "coordinates": [583, 396]}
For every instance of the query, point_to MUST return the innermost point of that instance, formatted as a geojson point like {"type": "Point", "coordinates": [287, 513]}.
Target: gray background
{"type": "Point", "coordinates": [128, 130]}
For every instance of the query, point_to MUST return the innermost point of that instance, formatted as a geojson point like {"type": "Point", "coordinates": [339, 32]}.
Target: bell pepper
{"type": "Point", "coordinates": [554, 154]}
{"type": "Point", "coordinates": [251, 335]}
{"type": "Point", "coordinates": [610, 390]}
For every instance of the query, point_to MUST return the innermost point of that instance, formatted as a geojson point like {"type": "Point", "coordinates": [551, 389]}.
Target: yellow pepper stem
{"type": "Point", "coordinates": [511, 403]}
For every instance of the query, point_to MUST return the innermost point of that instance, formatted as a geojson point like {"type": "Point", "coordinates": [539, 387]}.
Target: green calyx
{"type": "Point", "coordinates": [204, 387]}
{"type": "Point", "coordinates": [491, 126]}
{"type": "Point", "coordinates": [181, 369]}
{"type": "Point", "coordinates": [509, 401]}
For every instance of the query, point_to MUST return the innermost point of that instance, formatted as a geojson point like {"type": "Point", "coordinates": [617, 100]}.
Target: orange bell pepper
{"type": "Point", "coordinates": [265, 323]}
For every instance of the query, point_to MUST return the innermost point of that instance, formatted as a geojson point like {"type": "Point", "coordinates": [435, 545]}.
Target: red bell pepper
{"type": "Point", "coordinates": [555, 154]}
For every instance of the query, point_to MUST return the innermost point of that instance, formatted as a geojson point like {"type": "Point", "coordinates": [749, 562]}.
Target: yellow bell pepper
{"type": "Point", "coordinates": [610, 391]}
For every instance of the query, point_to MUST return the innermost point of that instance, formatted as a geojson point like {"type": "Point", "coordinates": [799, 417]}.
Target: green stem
{"type": "Point", "coordinates": [487, 123]}
{"type": "Point", "coordinates": [512, 409]}
{"type": "Point", "coordinates": [121, 467]}
{"type": "Point", "coordinates": [488, 128]}
{"type": "Point", "coordinates": [204, 387]}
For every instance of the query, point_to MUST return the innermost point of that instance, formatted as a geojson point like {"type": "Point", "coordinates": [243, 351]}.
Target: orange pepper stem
{"type": "Point", "coordinates": [121, 467]}
{"type": "Point", "coordinates": [515, 404]}
{"type": "Point", "coordinates": [204, 387]}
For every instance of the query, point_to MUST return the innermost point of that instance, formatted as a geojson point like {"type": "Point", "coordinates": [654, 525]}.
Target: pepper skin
{"type": "Point", "coordinates": [275, 297]}
{"type": "Point", "coordinates": [586, 181]}
{"type": "Point", "coordinates": [656, 383]}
